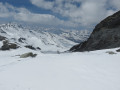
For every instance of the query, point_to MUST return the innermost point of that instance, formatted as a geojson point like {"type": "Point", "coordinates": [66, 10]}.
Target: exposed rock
{"type": "Point", "coordinates": [5, 46]}
{"type": "Point", "coordinates": [33, 48]}
{"type": "Point", "coordinates": [2, 38]}
{"type": "Point", "coordinates": [38, 48]}
{"type": "Point", "coordinates": [30, 47]}
{"type": "Point", "coordinates": [13, 46]}
{"type": "Point", "coordinates": [110, 52]}
{"type": "Point", "coordinates": [106, 35]}
{"type": "Point", "coordinates": [29, 54]}
{"type": "Point", "coordinates": [118, 50]}
{"type": "Point", "coordinates": [21, 40]}
{"type": "Point", "coordinates": [58, 52]}
{"type": "Point", "coordinates": [8, 46]}
{"type": "Point", "coordinates": [5, 42]}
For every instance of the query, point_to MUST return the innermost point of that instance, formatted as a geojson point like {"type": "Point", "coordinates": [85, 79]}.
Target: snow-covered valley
{"type": "Point", "coordinates": [59, 44]}
{"type": "Point", "coordinates": [96, 70]}
{"type": "Point", "coordinates": [35, 60]}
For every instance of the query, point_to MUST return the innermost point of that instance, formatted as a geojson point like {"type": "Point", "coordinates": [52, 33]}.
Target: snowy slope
{"type": "Point", "coordinates": [76, 36]}
{"type": "Point", "coordinates": [45, 40]}
{"type": "Point", "coordinates": [73, 35]}
{"type": "Point", "coordinates": [95, 70]}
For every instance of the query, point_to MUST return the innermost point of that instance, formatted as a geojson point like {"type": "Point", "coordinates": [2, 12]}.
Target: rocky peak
{"type": "Point", "coordinates": [109, 22]}
{"type": "Point", "coordinates": [105, 35]}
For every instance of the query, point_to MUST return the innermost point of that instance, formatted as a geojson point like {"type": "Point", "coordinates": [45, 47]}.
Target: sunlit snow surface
{"type": "Point", "coordinates": [95, 70]}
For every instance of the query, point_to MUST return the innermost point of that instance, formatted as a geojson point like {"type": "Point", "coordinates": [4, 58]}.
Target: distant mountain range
{"type": "Point", "coordinates": [44, 39]}
{"type": "Point", "coordinates": [76, 36]}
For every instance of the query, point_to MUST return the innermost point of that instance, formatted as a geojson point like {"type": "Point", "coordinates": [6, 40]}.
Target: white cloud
{"type": "Point", "coordinates": [79, 13]}
{"type": "Point", "coordinates": [43, 4]}
{"type": "Point", "coordinates": [115, 4]}
{"type": "Point", "coordinates": [24, 15]}
{"type": "Point", "coordinates": [88, 13]}
{"type": "Point", "coordinates": [4, 12]}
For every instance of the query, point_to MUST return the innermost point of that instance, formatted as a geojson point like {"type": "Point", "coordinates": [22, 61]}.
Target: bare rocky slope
{"type": "Point", "coordinates": [105, 35]}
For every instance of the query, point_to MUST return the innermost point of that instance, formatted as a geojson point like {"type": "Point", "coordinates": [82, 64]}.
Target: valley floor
{"type": "Point", "coordinates": [95, 70]}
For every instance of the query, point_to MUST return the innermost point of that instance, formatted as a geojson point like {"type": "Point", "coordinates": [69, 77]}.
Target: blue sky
{"type": "Point", "coordinates": [26, 4]}
{"type": "Point", "coordinates": [77, 14]}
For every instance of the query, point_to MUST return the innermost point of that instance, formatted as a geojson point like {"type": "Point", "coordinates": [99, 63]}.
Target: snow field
{"type": "Point", "coordinates": [94, 70]}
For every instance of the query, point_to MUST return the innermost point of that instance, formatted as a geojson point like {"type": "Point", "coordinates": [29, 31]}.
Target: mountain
{"type": "Point", "coordinates": [105, 35]}
{"type": "Point", "coordinates": [76, 36]}
{"type": "Point", "coordinates": [14, 36]}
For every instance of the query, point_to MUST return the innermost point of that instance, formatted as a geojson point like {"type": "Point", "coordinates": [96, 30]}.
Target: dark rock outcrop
{"type": "Point", "coordinates": [2, 38]}
{"type": "Point", "coordinates": [30, 47]}
{"type": "Point", "coordinates": [21, 40]}
{"type": "Point", "coordinates": [105, 35]}
{"type": "Point", "coordinates": [118, 50]}
{"type": "Point", "coordinates": [110, 52]}
{"type": "Point", "coordinates": [33, 48]}
{"type": "Point", "coordinates": [8, 46]}
{"type": "Point", "coordinates": [38, 48]}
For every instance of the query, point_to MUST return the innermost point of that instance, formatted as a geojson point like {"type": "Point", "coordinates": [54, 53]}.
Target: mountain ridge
{"type": "Point", "coordinates": [23, 37]}
{"type": "Point", "coordinates": [106, 35]}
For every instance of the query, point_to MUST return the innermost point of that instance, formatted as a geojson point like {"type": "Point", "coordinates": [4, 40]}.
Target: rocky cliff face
{"type": "Point", "coordinates": [105, 35]}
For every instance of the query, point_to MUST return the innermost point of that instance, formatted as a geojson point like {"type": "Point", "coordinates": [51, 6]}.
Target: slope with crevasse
{"type": "Point", "coordinates": [23, 37]}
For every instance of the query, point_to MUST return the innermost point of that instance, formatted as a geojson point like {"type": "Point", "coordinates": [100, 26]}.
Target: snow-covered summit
{"type": "Point", "coordinates": [72, 35]}
{"type": "Point", "coordinates": [45, 40]}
